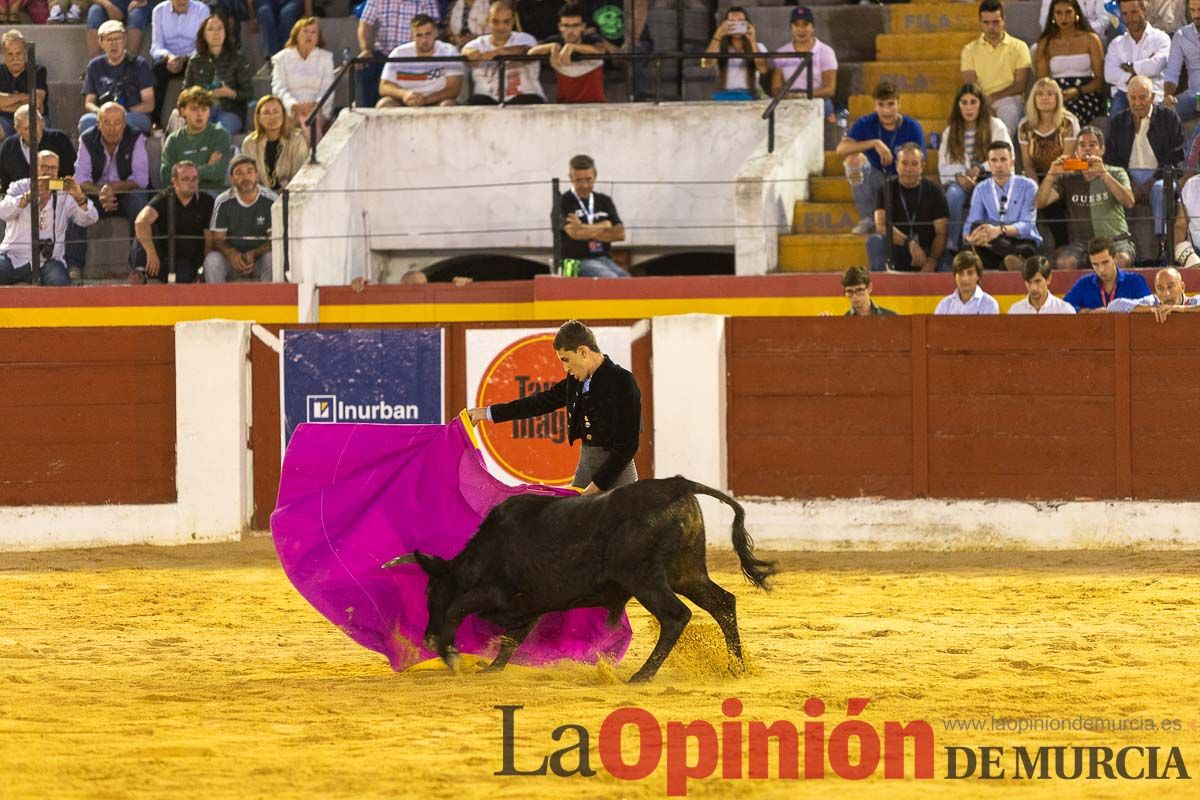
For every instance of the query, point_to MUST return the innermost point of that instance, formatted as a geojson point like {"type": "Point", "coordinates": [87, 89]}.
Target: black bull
{"type": "Point", "coordinates": [535, 554]}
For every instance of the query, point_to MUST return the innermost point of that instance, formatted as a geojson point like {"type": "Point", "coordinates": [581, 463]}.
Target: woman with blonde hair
{"type": "Point", "coordinates": [962, 156]}
{"type": "Point", "coordinates": [1047, 132]}
{"type": "Point", "coordinates": [278, 148]}
{"type": "Point", "coordinates": [301, 73]}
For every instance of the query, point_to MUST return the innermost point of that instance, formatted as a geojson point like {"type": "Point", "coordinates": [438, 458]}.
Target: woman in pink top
{"type": "Point", "coordinates": [824, 60]}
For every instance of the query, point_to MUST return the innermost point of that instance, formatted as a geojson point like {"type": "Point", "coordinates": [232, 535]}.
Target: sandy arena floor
{"type": "Point", "coordinates": [199, 672]}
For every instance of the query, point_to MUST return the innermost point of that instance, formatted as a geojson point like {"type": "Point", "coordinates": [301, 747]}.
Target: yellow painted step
{"type": "Point", "coordinates": [833, 164]}
{"type": "Point", "coordinates": [922, 105]}
{"type": "Point", "coordinates": [931, 18]}
{"type": "Point", "coordinates": [824, 217]}
{"type": "Point", "coordinates": [830, 190]}
{"type": "Point", "coordinates": [928, 76]}
{"type": "Point", "coordinates": [921, 46]}
{"type": "Point", "coordinates": [816, 253]}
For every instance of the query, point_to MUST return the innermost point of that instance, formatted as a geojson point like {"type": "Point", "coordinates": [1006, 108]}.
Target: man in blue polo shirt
{"type": "Point", "coordinates": [870, 147]}
{"type": "Point", "coordinates": [1106, 283]}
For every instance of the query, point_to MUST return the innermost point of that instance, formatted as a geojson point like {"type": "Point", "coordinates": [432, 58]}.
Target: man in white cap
{"type": "Point", "coordinates": [118, 76]}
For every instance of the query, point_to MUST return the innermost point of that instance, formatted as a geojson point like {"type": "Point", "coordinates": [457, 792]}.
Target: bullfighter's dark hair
{"type": "Point", "coordinates": [573, 335]}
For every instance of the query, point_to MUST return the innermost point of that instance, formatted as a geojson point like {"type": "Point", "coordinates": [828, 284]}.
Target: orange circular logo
{"type": "Point", "coordinates": [534, 450]}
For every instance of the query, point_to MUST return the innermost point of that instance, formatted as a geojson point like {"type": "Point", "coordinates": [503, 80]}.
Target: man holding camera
{"type": "Point", "coordinates": [1096, 196]}
{"type": "Point", "coordinates": [60, 202]}
{"type": "Point", "coordinates": [117, 76]}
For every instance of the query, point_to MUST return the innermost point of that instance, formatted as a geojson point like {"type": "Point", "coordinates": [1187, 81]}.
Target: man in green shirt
{"type": "Point", "coordinates": [1096, 198]}
{"type": "Point", "coordinates": [241, 229]}
{"type": "Point", "coordinates": [205, 145]}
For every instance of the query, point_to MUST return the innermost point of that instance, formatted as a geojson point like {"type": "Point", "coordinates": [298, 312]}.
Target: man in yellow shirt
{"type": "Point", "coordinates": [998, 64]}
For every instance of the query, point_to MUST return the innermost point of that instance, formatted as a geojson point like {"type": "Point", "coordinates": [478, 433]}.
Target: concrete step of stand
{"type": "Point", "coordinates": [823, 217]}
{"type": "Point", "coordinates": [833, 163]}
{"type": "Point", "coordinates": [921, 46]}
{"type": "Point", "coordinates": [821, 253]}
{"type": "Point", "coordinates": [928, 17]}
{"type": "Point", "coordinates": [928, 76]}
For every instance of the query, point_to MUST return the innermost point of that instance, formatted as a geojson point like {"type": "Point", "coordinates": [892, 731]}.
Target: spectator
{"type": "Point", "coordinates": [607, 18]}
{"type": "Point", "coordinates": [175, 25]}
{"type": "Point", "coordinates": [1142, 51]}
{"type": "Point", "coordinates": [1107, 282]}
{"type": "Point", "coordinates": [199, 141]}
{"type": "Point", "coordinates": [968, 298]}
{"type": "Point", "coordinates": [415, 84]}
{"type": "Point", "coordinates": [998, 63]}
{"type": "Point", "coordinates": [1002, 222]}
{"type": "Point", "coordinates": [825, 63]}
{"type": "Point", "coordinates": [856, 285]}
{"type": "Point", "coordinates": [1094, 197]}
{"type": "Point", "coordinates": [1185, 53]}
{"type": "Point", "coordinates": [577, 81]}
{"type": "Point", "coordinates": [55, 213]}
{"type": "Point", "coordinates": [278, 149]}
{"type": "Point", "coordinates": [181, 250]}
{"type": "Point", "coordinates": [1094, 13]}
{"type": "Point", "coordinates": [117, 76]}
{"type": "Point", "coordinates": [465, 20]}
{"type": "Point", "coordinates": [522, 86]}
{"type": "Point", "coordinates": [302, 73]}
{"type": "Point", "coordinates": [383, 26]}
{"type": "Point", "coordinates": [14, 81]}
{"type": "Point", "coordinates": [241, 229]}
{"type": "Point", "coordinates": [14, 152]}
{"type": "Point", "coordinates": [919, 217]}
{"type": "Point", "coordinates": [11, 10]}
{"type": "Point", "coordinates": [1073, 56]}
{"type": "Point", "coordinates": [736, 80]}
{"type": "Point", "coordinates": [113, 168]}
{"type": "Point", "coordinates": [131, 15]}
{"type": "Point", "coordinates": [69, 11]}
{"type": "Point", "coordinates": [1143, 139]}
{"type": "Point", "coordinates": [275, 19]}
{"type": "Point", "coordinates": [962, 154]}
{"type": "Point", "coordinates": [1168, 297]}
{"type": "Point", "coordinates": [590, 223]}
{"type": "Point", "coordinates": [869, 148]}
{"type": "Point", "coordinates": [538, 18]}
{"type": "Point", "coordinates": [220, 68]}
{"type": "Point", "coordinates": [1047, 132]}
{"type": "Point", "coordinates": [1187, 224]}
{"type": "Point", "coordinates": [1166, 15]}
{"type": "Point", "coordinates": [1038, 299]}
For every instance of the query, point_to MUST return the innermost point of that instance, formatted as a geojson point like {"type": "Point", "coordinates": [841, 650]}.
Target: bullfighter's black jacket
{"type": "Point", "coordinates": [608, 415]}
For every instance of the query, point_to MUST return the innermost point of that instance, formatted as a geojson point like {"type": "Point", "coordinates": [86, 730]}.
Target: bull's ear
{"type": "Point", "coordinates": [433, 565]}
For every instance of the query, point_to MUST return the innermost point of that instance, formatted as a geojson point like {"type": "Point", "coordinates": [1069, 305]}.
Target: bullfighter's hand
{"type": "Point", "coordinates": [591, 489]}
{"type": "Point", "coordinates": [477, 415]}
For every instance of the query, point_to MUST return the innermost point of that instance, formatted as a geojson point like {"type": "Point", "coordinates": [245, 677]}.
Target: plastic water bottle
{"type": "Point", "coordinates": [570, 267]}
{"type": "Point", "coordinates": [843, 122]}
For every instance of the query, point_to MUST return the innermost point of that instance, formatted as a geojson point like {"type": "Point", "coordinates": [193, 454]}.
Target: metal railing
{"type": "Point", "coordinates": [354, 65]}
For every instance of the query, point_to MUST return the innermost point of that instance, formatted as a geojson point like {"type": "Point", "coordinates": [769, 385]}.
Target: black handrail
{"type": "Point", "coordinates": [35, 216]}
{"type": "Point", "coordinates": [769, 114]}
{"type": "Point", "coordinates": [353, 64]}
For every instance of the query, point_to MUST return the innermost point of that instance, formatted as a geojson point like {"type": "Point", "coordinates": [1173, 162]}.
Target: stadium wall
{"type": "Point", "coordinates": [683, 175]}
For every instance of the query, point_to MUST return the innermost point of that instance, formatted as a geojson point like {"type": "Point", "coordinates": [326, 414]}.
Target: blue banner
{"type": "Point", "coordinates": [392, 376]}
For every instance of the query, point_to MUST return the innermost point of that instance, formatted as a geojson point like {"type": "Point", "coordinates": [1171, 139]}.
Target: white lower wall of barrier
{"type": "Point", "coordinates": [212, 461]}
{"type": "Point", "coordinates": [867, 524]}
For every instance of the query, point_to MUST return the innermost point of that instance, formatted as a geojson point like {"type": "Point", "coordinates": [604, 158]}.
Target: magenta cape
{"type": "Point", "coordinates": [353, 496]}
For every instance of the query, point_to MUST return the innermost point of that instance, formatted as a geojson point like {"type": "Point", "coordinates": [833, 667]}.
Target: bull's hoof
{"type": "Point", "coordinates": [493, 667]}
{"type": "Point", "coordinates": [453, 662]}
{"type": "Point", "coordinates": [641, 676]}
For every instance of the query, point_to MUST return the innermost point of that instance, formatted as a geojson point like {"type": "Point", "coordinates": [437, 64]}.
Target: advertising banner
{"type": "Point", "coordinates": [510, 363]}
{"type": "Point", "coordinates": [392, 376]}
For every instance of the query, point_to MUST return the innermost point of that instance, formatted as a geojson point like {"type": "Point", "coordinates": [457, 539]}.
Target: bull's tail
{"type": "Point", "coordinates": [756, 570]}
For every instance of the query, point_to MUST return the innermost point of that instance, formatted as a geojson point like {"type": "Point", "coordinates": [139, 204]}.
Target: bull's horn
{"type": "Point", "coordinates": [411, 558]}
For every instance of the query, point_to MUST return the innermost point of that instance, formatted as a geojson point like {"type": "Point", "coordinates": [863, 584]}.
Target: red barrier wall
{"type": "Point", "coordinates": [89, 415]}
{"type": "Point", "coordinates": [1037, 408]}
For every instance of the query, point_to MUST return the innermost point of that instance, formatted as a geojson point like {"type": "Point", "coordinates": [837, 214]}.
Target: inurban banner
{"type": "Point", "coordinates": [392, 376]}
